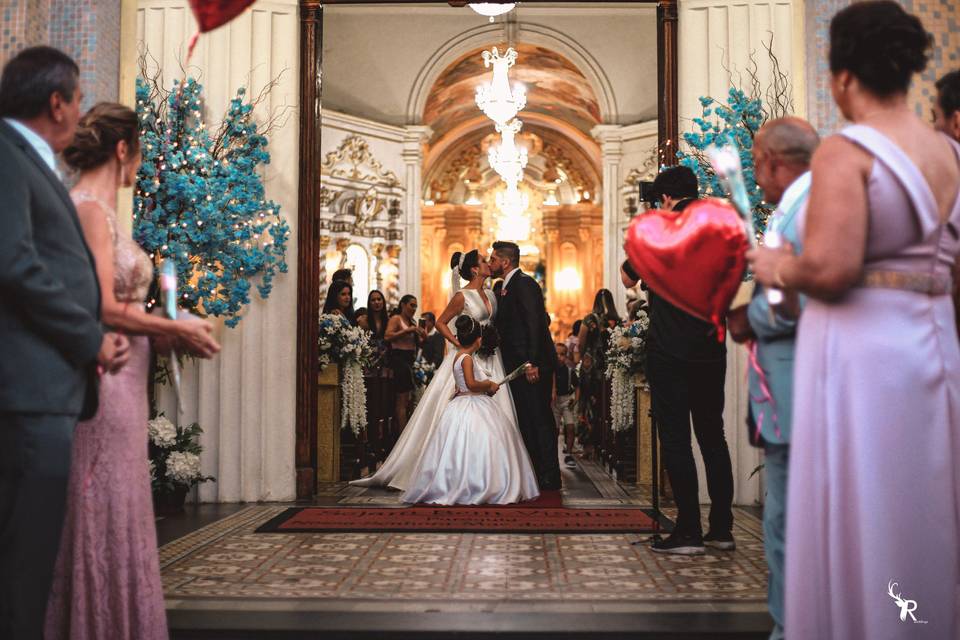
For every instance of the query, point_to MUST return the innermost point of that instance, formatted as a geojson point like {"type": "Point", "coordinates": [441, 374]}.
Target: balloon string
{"type": "Point", "coordinates": [191, 46]}
{"type": "Point", "coordinates": [766, 397]}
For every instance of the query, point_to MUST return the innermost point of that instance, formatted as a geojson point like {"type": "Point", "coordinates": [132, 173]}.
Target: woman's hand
{"type": "Point", "coordinates": [195, 336]}
{"type": "Point", "coordinates": [164, 344]}
{"type": "Point", "coordinates": [766, 264]}
{"type": "Point", "coordinates": [494, 387]}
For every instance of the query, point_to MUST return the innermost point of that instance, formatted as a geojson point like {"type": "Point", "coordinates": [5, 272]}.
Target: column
{"type": "Point", "coordinates": [413, 141]}
{"type": "Point", "coordinates": [610, 138]}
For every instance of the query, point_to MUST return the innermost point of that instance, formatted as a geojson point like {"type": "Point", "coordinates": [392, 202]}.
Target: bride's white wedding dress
{"type": "Point", "coordinates": [401, 468]}
{"type": "Point", "coordinates": [475, 455]}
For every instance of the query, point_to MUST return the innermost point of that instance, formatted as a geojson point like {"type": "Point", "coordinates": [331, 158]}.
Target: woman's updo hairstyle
{"type": "Point", "coordinates": [470, 261]}
{"type": "Point", "coordinates": [98, 133]}
{"type": "Point", "coordinates": [468, 330]}
{"type": "Point", "coordinates": [880, 44]}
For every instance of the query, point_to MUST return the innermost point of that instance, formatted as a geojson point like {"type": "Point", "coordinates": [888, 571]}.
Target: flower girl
{"type": "Point", "coordinates": [475, 454]}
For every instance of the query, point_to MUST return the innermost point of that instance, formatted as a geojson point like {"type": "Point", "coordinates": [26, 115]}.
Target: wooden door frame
{"type": "Point", "coordinates": [308, 238]}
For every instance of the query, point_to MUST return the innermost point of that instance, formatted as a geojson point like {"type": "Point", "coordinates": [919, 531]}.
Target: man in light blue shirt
{"type": "Point", "coordinates": [781, 151]}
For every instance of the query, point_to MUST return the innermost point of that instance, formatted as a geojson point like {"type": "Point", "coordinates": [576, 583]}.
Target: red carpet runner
{"type": "Point", "coordinates": [546, 514]}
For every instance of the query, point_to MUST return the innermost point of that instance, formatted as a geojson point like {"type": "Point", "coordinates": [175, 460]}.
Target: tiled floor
{"type": "Point", "coordinates": [226, 567]}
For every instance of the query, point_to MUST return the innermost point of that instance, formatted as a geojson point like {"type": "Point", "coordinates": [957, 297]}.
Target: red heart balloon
{"type": "Point", "coordinates": [211, 14]}
{"type": "Point", "coordinates": [694, 259]}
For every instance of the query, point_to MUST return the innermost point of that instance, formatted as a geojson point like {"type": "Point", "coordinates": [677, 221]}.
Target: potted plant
{"type": "Point", "coordinates": [174, 463]}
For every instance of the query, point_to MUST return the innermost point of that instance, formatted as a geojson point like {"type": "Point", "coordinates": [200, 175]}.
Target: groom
{"type": "Point", "coordinates": [523, 325]}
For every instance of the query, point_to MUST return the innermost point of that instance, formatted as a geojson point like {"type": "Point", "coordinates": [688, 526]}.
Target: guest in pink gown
{"type": "Point", "coordinates": [873, 521]}
{"type": "Point", "coordinates": [107, 580]}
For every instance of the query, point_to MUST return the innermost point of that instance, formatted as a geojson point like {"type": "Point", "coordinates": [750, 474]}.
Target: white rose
{"type": "Point", "coordinates": [162, 432]}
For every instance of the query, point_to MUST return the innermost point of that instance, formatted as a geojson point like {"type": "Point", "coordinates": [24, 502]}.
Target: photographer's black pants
{"type": "Point", "coordinates": [680, 389]}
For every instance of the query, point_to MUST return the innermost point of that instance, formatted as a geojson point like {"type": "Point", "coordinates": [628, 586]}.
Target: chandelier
{"type": "Point", "coordinates": [513, 223]}
{"type": "Point", "coordinates": [492, 9]}
{"type": "Point", "coordinates": [496, 99]}
{"type": "Point", "coordinates": [506, 158]}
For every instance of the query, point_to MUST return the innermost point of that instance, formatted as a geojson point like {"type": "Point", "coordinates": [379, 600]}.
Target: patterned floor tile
{"type": "Point", "coordinates": [227, 562]}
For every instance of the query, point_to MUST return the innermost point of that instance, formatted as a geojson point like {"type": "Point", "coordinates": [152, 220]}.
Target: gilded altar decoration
{"type": "Point", "coordinates": [352, 158]}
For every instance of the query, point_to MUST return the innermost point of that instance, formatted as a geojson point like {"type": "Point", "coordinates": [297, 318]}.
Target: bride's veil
{"type": "Point", "coordinates": [455, 275]}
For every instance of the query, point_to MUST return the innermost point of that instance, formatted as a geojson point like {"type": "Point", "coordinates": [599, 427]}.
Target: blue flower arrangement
{"type": "Point", "coordinates": [199, 200]}
{"type": "Point", "coordinates": [735, 122]}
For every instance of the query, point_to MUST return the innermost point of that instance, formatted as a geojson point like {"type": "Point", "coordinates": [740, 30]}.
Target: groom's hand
{"type": "Point", "coordinates": [533, 374]}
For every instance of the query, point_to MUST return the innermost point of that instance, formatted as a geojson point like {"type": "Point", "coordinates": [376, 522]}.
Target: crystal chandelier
{"type": "Point", "coordinates": [496, 99]}
{"type": "Point", "coordinates": [492, 9]}
{"type": "Point", "coordinates": [506, 158]}
{"type": "Point", "coordinates": [513, 223]}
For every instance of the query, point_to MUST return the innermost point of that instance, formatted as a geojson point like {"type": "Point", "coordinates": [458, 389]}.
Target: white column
{"type": "Point", "coordinates": [413, 141]}
{"type": "Point", "coordinates": [610, 137]}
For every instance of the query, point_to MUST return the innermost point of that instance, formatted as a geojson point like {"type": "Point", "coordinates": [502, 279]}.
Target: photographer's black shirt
{"type": "Point", "coordinates": [674, 332]}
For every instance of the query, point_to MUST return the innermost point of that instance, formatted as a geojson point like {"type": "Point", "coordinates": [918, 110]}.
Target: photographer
{"type": "Point", "coordinates": [686, 369]}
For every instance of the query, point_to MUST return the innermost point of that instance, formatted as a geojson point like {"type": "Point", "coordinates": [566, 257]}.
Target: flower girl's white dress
{"type": "Point", "coordinates": [475, 455]}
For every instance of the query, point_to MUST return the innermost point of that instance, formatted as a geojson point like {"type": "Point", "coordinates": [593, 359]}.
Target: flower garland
{"type": "Point", "coordinates": [199, 200]}
{"type": "Point", "coordinates": [626, 358]}
{"type": "Point", "coordinates": [350, 347]}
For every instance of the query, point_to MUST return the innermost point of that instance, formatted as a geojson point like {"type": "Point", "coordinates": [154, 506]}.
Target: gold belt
{"type": "Point", "coordinates": [931, 284]}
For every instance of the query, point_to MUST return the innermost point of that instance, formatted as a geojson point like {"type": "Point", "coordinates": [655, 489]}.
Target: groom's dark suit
{"type": "Point", "coordinates": [523, 324]}
{"type": "Point", "coordinates": [50, 335]}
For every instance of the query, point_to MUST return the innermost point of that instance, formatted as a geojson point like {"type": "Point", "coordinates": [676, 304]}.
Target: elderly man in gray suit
{"type": "Point", "coordinates": [782, 151]}
{"type": "Point", "coordinates": [51, 341]}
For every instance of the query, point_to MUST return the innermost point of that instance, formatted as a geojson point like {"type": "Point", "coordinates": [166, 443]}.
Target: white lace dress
{"type": "Point", "coordinates": [399, 468]}
{"type": "Point", "coordinates": [475, 455]}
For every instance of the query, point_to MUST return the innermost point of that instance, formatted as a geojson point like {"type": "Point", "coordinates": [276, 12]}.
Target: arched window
{"type": "Point", "coordinates": [358, 261]}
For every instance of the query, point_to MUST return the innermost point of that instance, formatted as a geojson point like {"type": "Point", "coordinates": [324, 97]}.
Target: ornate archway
{"type": "Point", "coordinates": [562, 180]}
{"type": "Point", "coordinates": [309, 200]}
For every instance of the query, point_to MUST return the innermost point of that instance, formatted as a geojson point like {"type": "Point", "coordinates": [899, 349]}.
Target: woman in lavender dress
{"type": "Point", "coordinates": [873, 522]}
{"type": "Point", "coordinates": [107, 580]}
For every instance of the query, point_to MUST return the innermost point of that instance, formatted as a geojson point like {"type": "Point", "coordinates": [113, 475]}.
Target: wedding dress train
{"type": "Point", "coordinates": [399, 469]}
{"type": "Point", "coordinates": [475, 455]}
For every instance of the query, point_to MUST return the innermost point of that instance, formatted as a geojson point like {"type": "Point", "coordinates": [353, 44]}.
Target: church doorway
{"type": "Point", "coordinates": [399, 137]}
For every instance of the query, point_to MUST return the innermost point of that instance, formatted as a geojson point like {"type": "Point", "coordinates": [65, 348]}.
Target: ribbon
{"type": "Point", "coordinates": [765, 396]}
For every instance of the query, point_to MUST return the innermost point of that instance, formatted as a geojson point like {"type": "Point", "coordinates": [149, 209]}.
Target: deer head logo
{"type": "Point", "coordinates": [907, 607]}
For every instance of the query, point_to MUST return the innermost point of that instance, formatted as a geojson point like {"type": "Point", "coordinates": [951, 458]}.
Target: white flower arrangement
{"type": "Point", "coordinates": [174, 455]}
{"type": "Point", "coordinates": [162, 432]}
{"type": "Point", "coordinates": [350, 347]}
{"type": "Point", "coordinates": [626, 358]}
{"type": "Point", "coordinates": [183, 467]}
{"type": "Point", "coordinates": [422, 375]}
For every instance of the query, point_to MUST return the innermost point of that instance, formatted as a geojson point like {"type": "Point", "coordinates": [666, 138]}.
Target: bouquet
{"type": "Point", "coordinates": [350, 347]}
{"type": "Point", "coordinates": [626, 358]}
{"type": "Point", "coordinates": [343, 343]}
{"type": "Point", "coordinates": [423, 372]}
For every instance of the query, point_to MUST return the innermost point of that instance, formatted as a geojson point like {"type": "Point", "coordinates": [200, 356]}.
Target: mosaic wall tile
{"type": "Point", "coordinates": [88, 30]}
{"type": "Point", "coordinates": [940, 17]}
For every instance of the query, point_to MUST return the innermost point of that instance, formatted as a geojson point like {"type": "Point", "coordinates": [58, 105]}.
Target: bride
{"type": "Point", "coordinates": [402, 466]}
